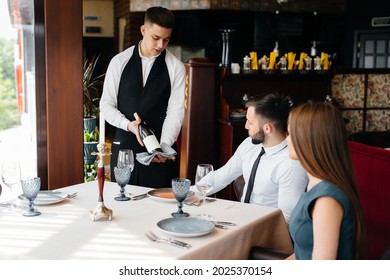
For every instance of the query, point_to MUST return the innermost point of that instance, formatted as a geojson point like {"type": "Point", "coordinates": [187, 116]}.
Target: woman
{"type": "Point", "coordinates": [327, 222]}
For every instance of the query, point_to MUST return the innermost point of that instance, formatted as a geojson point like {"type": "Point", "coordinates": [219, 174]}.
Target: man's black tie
{"type": "Point", "coordinates": [252, 177]}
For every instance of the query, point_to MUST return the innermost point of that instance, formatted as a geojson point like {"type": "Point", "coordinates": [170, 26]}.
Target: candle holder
{"type": "Point", "coordinates": [101, 211]}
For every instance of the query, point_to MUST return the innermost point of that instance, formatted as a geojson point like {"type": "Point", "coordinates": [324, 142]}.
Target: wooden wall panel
{"type": "Point", "coordinates": [121, 10]}
{"type": "Point", "coordinates": [40, 89]}
{"type": "Point", "coordinates": [63, 31]}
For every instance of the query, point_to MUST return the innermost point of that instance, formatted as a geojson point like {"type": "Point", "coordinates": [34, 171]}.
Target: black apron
{"type": "Point", "coordinates": [150, 102]}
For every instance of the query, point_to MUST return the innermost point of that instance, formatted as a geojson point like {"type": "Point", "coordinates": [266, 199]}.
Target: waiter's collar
{"type": "Point", "coordinates": [144, 57]}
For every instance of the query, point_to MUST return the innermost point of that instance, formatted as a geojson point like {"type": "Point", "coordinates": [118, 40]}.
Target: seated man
{"type": "Point", "coordinates": [277, 181]}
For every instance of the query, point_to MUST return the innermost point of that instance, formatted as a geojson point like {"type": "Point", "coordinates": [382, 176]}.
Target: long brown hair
{"type": "Point", "coordinates": [319, 137]}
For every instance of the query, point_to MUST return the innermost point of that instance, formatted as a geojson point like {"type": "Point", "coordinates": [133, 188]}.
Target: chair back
{"type": "Point", "coordinates": [371, 167]}
{"type": "Point", "coordinates": [379, 139]}
{"type": "Point", "coordinates": [238, 187]}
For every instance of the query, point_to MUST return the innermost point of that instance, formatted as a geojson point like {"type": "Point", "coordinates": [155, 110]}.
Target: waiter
{"type": "Point", "coordinates": [146, 83]}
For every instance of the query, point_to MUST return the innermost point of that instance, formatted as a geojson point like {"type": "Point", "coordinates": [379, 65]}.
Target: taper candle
{"type": "Point", "coordinates": [101, 129]}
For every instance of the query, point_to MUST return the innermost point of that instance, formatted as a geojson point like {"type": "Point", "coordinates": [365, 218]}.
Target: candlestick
{"type": "Point", "coordinates": [101, 211]}
{"type": "Point", "coordinates": [102, 123]}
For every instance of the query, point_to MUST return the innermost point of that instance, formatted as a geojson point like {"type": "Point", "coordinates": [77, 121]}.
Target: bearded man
{"type": "Point", "coordinates": [277, 181]}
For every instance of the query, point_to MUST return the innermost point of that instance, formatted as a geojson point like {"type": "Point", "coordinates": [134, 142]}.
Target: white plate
{"type": "Point", "coordinates": [186, 227]}
{"type": "Point", "coordinates": [46, 197]}
{"type": "Point", "coordinates": [165, 194]}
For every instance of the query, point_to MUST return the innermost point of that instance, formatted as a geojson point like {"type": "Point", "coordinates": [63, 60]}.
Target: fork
{"type": "Point", "coordinates": [151, 236]}
{"type": "Point", "coordinates": [200, 201]}
{"type": "Point", "coordinates": [72, 195]}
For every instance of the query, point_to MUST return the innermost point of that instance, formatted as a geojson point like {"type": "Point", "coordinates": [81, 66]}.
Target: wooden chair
{"type": "Point", "coordinates": [238, 187]}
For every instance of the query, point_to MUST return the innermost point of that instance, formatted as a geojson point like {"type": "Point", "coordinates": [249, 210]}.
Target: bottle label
{"type": "Point", "coordinates": [151, 143]}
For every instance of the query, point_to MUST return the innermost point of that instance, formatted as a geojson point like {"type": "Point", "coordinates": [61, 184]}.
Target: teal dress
{"type": "Point", "coordinates": [301, 223]}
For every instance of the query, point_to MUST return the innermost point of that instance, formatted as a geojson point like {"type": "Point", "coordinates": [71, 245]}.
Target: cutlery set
{"type": "Point", "coordinates": [151, 236]}
{"type": "Point", "coordinates": [14, 205]}
{"type": "Point", "coordinates": [198, 202]}
{"type": "Point", "coordinates": [223, 225]}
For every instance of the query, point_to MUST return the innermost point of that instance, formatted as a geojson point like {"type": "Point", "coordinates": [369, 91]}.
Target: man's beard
{"type": "Point", "coordinates": [258, 138]}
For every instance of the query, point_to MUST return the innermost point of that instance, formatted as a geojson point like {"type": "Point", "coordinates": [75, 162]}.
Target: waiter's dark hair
{"type": "Point", "coordinates": [273, 107]}
{"type": "Point", "coordinates": [160, 16]}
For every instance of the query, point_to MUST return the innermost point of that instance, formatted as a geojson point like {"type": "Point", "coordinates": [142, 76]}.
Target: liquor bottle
{"type": "Point", "coordinates": [276, 49]}
{"type": "Point", "coordinates": [313, 49]}
{"type": "Point", "coordinates": [149, 139]}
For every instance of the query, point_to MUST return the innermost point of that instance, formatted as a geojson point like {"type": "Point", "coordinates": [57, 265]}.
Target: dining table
{"type": "Point", "coordinates": [65, 230]}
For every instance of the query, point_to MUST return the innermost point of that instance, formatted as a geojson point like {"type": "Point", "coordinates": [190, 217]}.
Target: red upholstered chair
{"type": "Point", "coordinates": [372, 173]}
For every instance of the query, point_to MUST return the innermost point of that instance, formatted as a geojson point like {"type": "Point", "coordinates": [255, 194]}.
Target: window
{"type": "Point", "coordinates": [372, 49]}
{"type": "Point", "coordinates": [17, 85]}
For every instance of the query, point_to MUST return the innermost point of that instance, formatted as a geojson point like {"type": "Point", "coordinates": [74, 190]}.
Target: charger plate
{"type": "Point", "coordinates": [186, 226]}
{"type": "Point", "coordinates": [165, 194]}
{"type": "Point", "coordinates": [46, 197]}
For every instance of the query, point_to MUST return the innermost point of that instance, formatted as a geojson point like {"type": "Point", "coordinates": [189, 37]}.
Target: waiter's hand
{"type": "Point", "coordinates": [133, 127]}
{"type": "Point", "coordinates": [160, 159]}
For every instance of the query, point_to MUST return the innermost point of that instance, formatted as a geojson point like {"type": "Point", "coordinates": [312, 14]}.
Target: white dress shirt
{"type": "Point", "coordinates": [279, 180]}
{"type": "Point", "coordinates": [175, 110]}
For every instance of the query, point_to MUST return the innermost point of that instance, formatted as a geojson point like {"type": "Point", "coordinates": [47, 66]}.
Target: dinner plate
{"type": "Point", "coordinates": [186, 226]}
{"type": "Point", "coordinates": [165, 194]}
{"type": "Point", "coordinates": [46, 197]}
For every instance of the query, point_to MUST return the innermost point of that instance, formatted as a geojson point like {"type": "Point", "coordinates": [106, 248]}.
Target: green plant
{"type": "Point", "coordinates": [90, 173]}
{"type": "Point", "coordinates": [92, 136]}
{"type": "Point", "coordinates": [92, 88]}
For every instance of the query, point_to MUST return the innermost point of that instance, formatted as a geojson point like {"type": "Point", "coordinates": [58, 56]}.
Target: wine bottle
{"type": "Point", "coordinates": [149, 139]}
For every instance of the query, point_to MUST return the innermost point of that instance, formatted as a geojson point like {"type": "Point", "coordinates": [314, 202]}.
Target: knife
{"type": "Point", "coordinates": [225, 223]}
{"type": "Point", "coordinates": [180, 243]}
{"type": "Point", "coordinates": [220, 226]}
{"type": "Point", "coordinates": [13, 205]}
{"type": "Point", "coordinates": [139, 196]}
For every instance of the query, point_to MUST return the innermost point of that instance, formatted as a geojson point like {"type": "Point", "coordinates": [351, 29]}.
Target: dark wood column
{"type": "Point", "coordinates": [59, 93]}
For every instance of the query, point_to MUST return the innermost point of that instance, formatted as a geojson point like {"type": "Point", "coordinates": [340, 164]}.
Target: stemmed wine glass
{"type": "Point", "coordinates": [31, 187]}
{"type": "Point", "coordinates": [10, 177]}
{"type": "Point", "coordinates": [180, 188]}
{"type": "Point", "coordinates": [122, 172]}
{"type": "Point", "coordinates": [204, 186]}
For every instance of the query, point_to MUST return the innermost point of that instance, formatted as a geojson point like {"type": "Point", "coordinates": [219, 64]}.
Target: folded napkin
{"type": "Point", "coordinates": [145, 158]}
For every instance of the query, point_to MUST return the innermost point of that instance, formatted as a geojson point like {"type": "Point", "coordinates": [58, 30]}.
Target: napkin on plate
{"type": "Point", "coordinates": [145, 158]}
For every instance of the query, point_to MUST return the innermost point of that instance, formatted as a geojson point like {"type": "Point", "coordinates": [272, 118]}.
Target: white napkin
{"type": "Point", "coordinates": [145, 158]}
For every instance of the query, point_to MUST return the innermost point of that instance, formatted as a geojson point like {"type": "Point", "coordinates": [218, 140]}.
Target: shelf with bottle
{"type": "Point", "coordinates": [289, 63]}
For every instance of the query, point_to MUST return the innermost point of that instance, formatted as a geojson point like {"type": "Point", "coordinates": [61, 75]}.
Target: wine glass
{"type": "Point", "coordinates": [122, 177]}
{"type": "Point", "coordinates": [31, 187]}
{"type": "Point", "coordinates": [125, 160]}
{"type": "Point", "coordinates": [180, 188]}
{"type": "Point", "coordinates": [10, 177]}
{"type": "Point", "coordinates": [204, 186]}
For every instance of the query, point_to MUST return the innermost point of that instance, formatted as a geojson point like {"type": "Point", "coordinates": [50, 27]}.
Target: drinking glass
{"type": "Point", "coordinates": [125, 160]}
{"type": "Point", "coordinates": [122, 177]}
{"type": "Point", "coordinates": [180, 188]}
{"type": "Point", "coordinates": [10, 177]}
{"type": "Point", "coordinates": [204, 187]}
{"type": "Point", "coordinates": [31, 187]}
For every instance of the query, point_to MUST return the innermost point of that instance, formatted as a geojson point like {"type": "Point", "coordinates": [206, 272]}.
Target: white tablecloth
{"type": "Point", "coordinates": [65, 231]}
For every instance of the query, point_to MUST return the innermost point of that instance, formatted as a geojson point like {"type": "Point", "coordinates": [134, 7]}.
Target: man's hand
{"type": "Point", "coordinates": [160, 159]}
{"type": "Point", "coordinates": [133, 127]}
